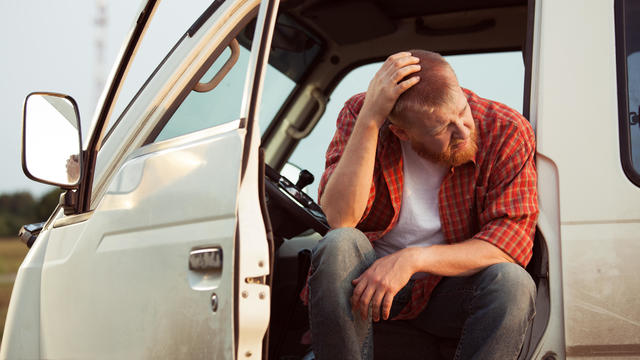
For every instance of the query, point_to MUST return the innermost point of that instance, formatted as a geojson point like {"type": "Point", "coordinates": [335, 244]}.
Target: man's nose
{"type": "Point", "coordinates": [462, 131]}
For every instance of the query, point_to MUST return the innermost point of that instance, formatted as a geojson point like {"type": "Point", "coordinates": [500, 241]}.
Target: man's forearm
{"type": "Point", "coordinates": [382, 280]}
{"type": "Point", "coordinates": [345, 197]}
{"type": "Point", "coordinates": [460, 259]}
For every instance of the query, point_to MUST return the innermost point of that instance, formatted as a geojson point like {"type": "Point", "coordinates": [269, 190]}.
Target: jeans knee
{"type": "Point", "coordinates": [511, 288]}
{"type": "Point", "coordinates": [342, 250]}
{"type": "Point", "coordinates": [341, 243]}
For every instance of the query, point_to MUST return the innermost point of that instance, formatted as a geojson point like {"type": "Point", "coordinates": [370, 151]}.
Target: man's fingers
{"type": "Point", "coordinates": [383, 90]}
{"type": "Point", "coordinates": [405, 85]}
{"type": "Point", "coordinates": [386, 305]}
{"type": "Point", "coordinates": [401, 68]}
{"type": "Point", "coordinates": [357, 293]}
{"type": "Point", "coordinates": [392, 64]}
{"type": "Point", "coordinates": [402, 60]}
{"type": "Point", "coordinates": [375, 305]}
{"type": "Point", "coordinates": [399, 55]}
{"type": "Point", "coordinates": [365, 300]}
{"type": "Point", "coordinates": [404, 71]}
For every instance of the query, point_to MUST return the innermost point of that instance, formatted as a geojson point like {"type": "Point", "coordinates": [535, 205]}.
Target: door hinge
{"type": "Point", "coordinates": [261, 280]}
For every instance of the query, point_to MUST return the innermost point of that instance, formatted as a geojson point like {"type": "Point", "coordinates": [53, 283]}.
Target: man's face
{"type": "Point", "coordinates": [446, 135]}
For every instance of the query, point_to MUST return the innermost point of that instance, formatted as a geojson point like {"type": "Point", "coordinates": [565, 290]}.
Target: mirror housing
{"type": "Point", "coordinates": [51, 139]}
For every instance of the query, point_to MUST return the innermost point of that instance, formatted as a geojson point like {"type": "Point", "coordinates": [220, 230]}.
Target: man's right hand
{"type": "Point", "coordinates": [385, 87]}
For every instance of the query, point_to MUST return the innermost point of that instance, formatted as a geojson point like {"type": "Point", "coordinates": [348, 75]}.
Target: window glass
{"type": "Point", "coordinates": [632, 57]}
{"type": "Point", "coordinates": [167, 26]}
{"type": "Point", "coordinates": [496, 76]}
{"type": "Point", "coordinates": [633, 62]}
{"type": "Point", "coordinates": [293, 50]}
{"type": "Point", "coordinates": [222, 104]}
{"type": "Point", "coordinates": [271, 100]}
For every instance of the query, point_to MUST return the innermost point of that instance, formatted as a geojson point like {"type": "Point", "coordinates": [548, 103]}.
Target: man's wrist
{"type": "Point", "coordinates": [370, 119]}
{"type": "Point", "coordinates": [417, 258]}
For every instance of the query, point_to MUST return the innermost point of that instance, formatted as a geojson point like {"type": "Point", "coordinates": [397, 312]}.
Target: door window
{"type": "Point", "coordinates": [222, 104]}
{"type": "Point", "coordinates": [288, 62]}
{"type": "Point", "coordinates": [628, 59]}
{"type": "Point", "coordinates": [164, 31]}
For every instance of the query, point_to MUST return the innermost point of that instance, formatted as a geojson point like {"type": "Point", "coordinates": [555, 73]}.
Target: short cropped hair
{"type": "Point", "coordinates": [435, 88]}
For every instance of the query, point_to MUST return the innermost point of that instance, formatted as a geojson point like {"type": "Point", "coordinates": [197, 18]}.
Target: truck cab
{"type": "Point", "coordinates": [186, 226]}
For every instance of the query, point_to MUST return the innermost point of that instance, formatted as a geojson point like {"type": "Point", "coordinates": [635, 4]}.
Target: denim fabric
{"type": "Point", "coordinates": [489, 312]}
{"type": "Point", "coordinates": [336, 332]}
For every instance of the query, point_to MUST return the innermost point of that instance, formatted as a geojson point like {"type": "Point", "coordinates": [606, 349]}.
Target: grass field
{"type": "Point", "coordinates": [12, 251]}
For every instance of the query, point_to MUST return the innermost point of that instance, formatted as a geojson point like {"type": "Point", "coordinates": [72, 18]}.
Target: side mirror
{"type": "Point", "coordinates": [51, 139]}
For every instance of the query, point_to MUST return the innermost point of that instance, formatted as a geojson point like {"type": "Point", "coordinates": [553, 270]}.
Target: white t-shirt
{"type": "Point", "coordinates": [419, 219]}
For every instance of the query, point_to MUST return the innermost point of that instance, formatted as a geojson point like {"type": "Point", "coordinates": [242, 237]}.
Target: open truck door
{"type": "Point", "coordinates": [162, 252]}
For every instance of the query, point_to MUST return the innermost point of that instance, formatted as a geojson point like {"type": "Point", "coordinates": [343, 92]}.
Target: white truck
{"type": "Point", "coordinates": [178, 238]}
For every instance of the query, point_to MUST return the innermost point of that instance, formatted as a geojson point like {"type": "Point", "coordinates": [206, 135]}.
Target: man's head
{"type": "Point", "coordinates": [434, 114]}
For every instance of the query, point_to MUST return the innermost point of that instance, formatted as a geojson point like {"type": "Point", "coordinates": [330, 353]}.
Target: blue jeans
{"type": "Point", "coordinates": [489, 312]}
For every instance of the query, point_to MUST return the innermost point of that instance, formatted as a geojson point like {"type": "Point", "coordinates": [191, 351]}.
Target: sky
{"type": "Point", "coordinates": [51, 46]}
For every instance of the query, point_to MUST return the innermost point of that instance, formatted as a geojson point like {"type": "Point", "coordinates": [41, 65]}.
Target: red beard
{"type": "Point", "coordinates": [450, 157]}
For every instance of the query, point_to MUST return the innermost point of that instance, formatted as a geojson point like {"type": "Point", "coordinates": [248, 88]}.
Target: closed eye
{"type": "Point", "coordinates": [461, 113]}
{"type": "Point", "coordinates": [439, 130]}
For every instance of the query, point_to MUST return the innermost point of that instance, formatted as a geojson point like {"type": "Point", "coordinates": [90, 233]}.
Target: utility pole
{"type": "Point", "coordinates": [100, 71]}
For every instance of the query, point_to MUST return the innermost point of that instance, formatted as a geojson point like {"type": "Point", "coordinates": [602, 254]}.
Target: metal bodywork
{"type": "Point", "coordinates": [574, 104]}
{"type": "Point", "coordinates": [105, 283]}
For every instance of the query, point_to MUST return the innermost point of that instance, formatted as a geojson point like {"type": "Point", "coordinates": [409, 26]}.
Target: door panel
{"type": "Point", "coordinates": [603, 308]}
{"type": "Point", "coordinates": [129, 270]}
{"type": "Point", "coordinates": [574, 102]}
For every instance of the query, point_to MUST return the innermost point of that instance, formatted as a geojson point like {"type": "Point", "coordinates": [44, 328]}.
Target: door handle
{"type": "Point", "coordinates": [206, 260]}
{"type": "Point", "coordinates": [321, 100]}
{"type": "Point", "coordinates": [233, 58]}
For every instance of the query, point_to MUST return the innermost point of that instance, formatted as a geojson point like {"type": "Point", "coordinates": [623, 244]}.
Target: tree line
{"type": "Point", "coordinates": [21, 208]}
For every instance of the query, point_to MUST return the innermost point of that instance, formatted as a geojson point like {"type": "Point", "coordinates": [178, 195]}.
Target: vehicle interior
{"type": "Point", "coordinates": [316, 44]}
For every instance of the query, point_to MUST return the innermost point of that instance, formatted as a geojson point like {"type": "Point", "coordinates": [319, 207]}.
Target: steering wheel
{"type": "Point", "coordinates": [292, 211]}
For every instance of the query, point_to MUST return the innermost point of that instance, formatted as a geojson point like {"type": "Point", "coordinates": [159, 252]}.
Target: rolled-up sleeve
{"type": "Point", "coordinates": [344, 127]}
{"type": "Point", "coordinates": [509, 208]}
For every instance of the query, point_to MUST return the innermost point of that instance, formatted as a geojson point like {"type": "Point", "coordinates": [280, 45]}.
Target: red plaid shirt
{"type": "Point", "coordinates": [493, 198]}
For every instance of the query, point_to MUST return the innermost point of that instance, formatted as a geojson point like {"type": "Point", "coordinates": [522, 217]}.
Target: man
{"type": "Point", "coordinates": [431, 192]}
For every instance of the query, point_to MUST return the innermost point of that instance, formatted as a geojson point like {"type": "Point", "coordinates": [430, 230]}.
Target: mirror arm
{"type": "Point", "coordinates": [70, 199]}
{"type": "Point", "coordinates": [86, 182]}
{"type": "Point", "coordinates": [69, 202]}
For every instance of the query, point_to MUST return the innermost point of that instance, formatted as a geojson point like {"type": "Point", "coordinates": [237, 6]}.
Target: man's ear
{"type": "Point", "coordinates": [399, 132]}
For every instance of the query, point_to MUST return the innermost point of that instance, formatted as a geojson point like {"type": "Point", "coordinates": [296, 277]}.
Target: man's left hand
{"type": "Point", "coordinates": [378, 285]}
